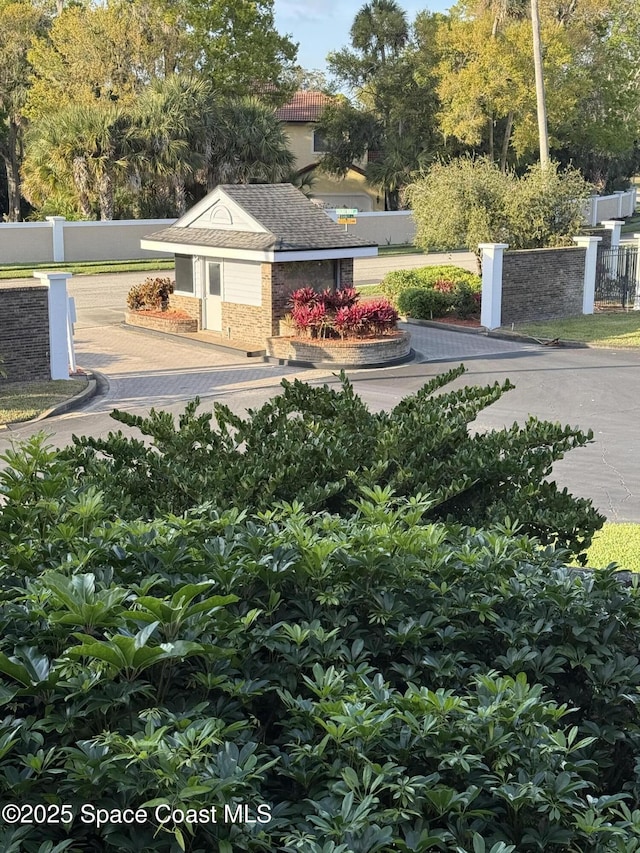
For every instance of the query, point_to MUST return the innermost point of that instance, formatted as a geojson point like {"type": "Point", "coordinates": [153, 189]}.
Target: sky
{"type": "Point", "coordinates": [320, 26]}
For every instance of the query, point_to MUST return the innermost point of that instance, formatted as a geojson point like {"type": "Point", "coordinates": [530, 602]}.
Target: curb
{"type": "Point", "coordinates": [500, 334]}
{"type": "Point", "coordinates": [545, 342]}
{"type": "Point", "coordinates": [325, 365]}
{"type": "Point", "coordinates": [94, 383]}
{"type": "Point", "coordinates": [447, 327]}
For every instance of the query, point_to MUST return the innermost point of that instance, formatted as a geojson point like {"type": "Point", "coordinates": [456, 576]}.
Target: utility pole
{"type": "Point", "coordinates": [540, 96]}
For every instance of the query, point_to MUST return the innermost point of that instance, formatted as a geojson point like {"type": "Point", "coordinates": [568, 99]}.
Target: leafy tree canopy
{"type": "Point", "coordinates": [470, 201]}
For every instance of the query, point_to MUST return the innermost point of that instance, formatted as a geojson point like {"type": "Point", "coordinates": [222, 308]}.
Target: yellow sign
{"type": "Point", "coordinates": [347, 220]}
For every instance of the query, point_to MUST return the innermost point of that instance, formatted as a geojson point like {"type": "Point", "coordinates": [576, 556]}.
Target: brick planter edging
{"type": "Point", "coordinates": [375, 352]}
{"type": "Point", "coordinates": [161, 324]}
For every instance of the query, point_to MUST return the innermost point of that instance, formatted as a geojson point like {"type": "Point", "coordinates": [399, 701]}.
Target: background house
{"type": "Point", "coordinates": [300, 117]}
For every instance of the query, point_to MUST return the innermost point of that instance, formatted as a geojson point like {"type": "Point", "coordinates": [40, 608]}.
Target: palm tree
{"type": "Point", "coordinates": [83, 145]}
{"type": "Point", "coordinates": [251, 146]}
{"type": "Point", "coordinates": [169, 122]}
{"type": "Point", "coordinates": [541, 103]}
{"type": "Point", "coordinates": [380, 30]}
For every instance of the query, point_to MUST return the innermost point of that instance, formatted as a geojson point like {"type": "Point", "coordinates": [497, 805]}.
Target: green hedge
{"type": "Point", "coordinates": [422, 303]}
{"type": "Point", "coordinates": [398, 280]}
{"type": "Point", "coordinates": [374, 684]}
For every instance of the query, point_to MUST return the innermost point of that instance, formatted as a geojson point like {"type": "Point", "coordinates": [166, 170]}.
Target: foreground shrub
{"type": "Point", "coordinates": [317, 445]}
{"type": "Point", "coordinates": [377, 683]}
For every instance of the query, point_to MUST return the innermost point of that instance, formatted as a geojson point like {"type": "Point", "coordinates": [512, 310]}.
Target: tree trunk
{"type": "Point", "coordinates": [81, 180]}
{"type": "Point", "coordinates": [11, 157]}
{"type": "Point", "coordinates": [491, 147]}
{"type": "Point", "coordinates": [180, 194]}
{"type": "Point", "coordinates": [540, 95]}
{"type": "Point", "coordinates": [105, 195]}
{"type": "Point", "coordinates": [505, 142]}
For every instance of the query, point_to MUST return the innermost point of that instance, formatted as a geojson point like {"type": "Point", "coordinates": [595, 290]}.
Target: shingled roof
{"type": "Point", "coordinates": [292, 223]}
{"type": "Point", "coordinates": [304, 106]}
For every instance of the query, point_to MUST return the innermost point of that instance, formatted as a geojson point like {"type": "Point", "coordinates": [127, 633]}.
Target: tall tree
{"type": "Point", "coordinates": [394, 118]}
{"type": "Point", "coordinates": [486, 80]}
{"type": "Point", "coordinates": [169, 123]}
{"type": "Point", "coordinates": [235, 45]}
{"type": "Point", "coordinates": [541, 100]}
{"type": "Point", "coordinates": [20, 21]}
{"type": "Point", "coordinates": [250, 147]}
{"type": "Point", "coordinates": [82, 147]}
{"type": "Point", "coordinates": [90, 53]}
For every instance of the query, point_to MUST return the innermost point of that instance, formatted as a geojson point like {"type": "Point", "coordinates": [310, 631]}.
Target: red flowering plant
{"type": "Point", "coordinates": [310, 318]}
{"type": "Point", "coordinates": [337, 313]}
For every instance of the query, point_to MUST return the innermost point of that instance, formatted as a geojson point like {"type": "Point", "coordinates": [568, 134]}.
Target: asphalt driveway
{"type": "Point", "coordinates": [594, 389]}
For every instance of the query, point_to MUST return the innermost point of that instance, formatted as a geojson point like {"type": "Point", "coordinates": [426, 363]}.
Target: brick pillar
{"type": "Point", "coordinates": [279, 296]}
{"type": "Point", "coordinates": [267, 309]}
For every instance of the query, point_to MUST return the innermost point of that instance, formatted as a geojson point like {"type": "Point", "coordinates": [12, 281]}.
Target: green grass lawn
{"type": "Point", "coordinates": [21, 401]}
{"type": "Point", "coordinates": [9, 271]}
{"type": "Point", "coordinates": [605, 330]}
{"type": "Point", "coordinates": [370, 290]}
{"type": "Point", "coordinates": [403, 249]}
{"type": "Point", "coordinates": [616, 543]}
{"type": "Point", "coordinates": [632, 225]}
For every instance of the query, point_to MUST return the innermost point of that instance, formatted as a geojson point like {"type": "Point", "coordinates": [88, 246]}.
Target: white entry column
{"type": "Point", "coordinates": [491, 305]}
{"type": "Point", "coordinates": [56, 283]}
{"type": "Point", "coordinates": [590, 244]}
{"type": "Point", "coordinates": [615, 226]}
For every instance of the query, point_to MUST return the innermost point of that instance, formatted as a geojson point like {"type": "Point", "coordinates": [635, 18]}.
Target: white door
{"type": "Point", "coordinates": [213, 296]}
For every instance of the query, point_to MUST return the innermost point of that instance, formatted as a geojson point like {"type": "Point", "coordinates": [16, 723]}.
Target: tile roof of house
{"type": "Point", "coordinates": [292, 222]}
{"type": "Point", "coordinates": [304, 106]}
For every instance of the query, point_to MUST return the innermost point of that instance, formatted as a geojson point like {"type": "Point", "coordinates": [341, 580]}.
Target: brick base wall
{"type": "Point", "coordinates": [247, 323]}
{"type": "Point", "coordinates": [542, 284]}
{"type": "Point", "coordinates": [174, 325]}
{"type": "Point", "coordinates": [24, 332]}
{"type": "Point", "coordinates": [346, 272]}
{"type": "Point", "coordinates": [352, 352]}
{"type": "Point", "coordinates": [191, 305]}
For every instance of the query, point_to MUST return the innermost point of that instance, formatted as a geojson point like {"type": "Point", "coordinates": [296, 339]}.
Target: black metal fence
{"type": "Point", "coordinates": [617, 273]}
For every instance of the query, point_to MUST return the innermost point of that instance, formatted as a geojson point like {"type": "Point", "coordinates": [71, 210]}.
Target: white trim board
{"type": "Point", "coordinates": [269, 257]}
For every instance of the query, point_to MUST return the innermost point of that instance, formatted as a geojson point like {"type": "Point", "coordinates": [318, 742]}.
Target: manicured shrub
{"type": "Point", "coordinates": [317, 445]}
{"type": "Point", "coordinates": [424, 303]}
{"type": "Point", "coordinates": [399, 280]}
{"type": "Point", "coordinates": [467, 301]}
{"type": "Point", "coordinates": [153, 294]}
{"type": "Point", "coordinates": [373, 683]}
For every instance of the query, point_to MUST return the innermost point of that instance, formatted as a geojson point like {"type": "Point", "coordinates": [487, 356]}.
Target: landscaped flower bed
{"type": "Point", "coordinates": [338, 314]}
{"type": "Point", "coordinates": [332, 327]}
{"type": "Point", "coordinates": [149, 308]}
